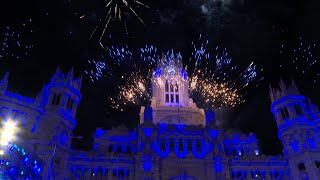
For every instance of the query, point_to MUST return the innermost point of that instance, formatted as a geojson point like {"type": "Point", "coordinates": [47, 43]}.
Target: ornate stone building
{"type": "Point", "coordinates": [174, 140]}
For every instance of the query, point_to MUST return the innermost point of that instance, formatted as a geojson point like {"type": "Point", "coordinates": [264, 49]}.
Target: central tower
{"type": "Point", "coordinates": [170, 101]}
{"type": "Point", "coordinates": [170, 83]}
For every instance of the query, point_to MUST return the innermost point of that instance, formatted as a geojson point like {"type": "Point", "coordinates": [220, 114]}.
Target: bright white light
{"type": "Point", "coordinates": [256, 152]}
{"type": "Point", "coordinates": [1, 152]}
{"type": "Point", "coordinates": [7, 132]}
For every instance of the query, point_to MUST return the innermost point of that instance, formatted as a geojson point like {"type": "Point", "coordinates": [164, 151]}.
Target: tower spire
{"type": "Point", "coordinates": [283, 86]}
{"type": "Point", "coordinates": [4, 81]}
{"type": "Point", "coordinates": [271, 93]}
{"type": "Point", "coordinates": [56, 74]}
{"type": "Point", "coordinates": [70, 75]}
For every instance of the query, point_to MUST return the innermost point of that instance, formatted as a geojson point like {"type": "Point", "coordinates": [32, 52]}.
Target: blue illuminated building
{"type": "Point", "coordinates": [174, 139]}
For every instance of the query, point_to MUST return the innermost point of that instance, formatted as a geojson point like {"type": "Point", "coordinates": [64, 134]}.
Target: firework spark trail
{"type": "Point", "coordinates": [303, 59]}
{"type": "Point", "coordinates": [213, 79]}
{"type": "Point", "coordinates": [115, 12]}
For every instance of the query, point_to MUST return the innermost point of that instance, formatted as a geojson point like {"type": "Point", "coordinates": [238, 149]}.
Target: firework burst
{"type": "Point", "coordinates": [214, 81]}
{"type": "Point", "coordinates": [14, 41]}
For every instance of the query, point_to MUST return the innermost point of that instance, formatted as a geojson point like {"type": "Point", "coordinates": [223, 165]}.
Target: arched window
{"type": "Point", "coordinates": [301, 167]}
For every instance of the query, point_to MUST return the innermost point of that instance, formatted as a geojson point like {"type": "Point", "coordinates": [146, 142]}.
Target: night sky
{"type": "Point", "coordinates": [251, 30]}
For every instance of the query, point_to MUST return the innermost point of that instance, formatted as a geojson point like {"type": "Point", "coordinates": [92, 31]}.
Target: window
{"type": "Point", "coordinates": [110, 149]}
{"type": "Point", "coordinates": [284, 113]}
{"type": "Point", "coordinates": [255, 175]}
{"type": "Point", "coordinates": [227, 152]}
{"type": "Point", "coordinates": [54, 99]}
{"type": "Point", "coordinates": [58, 99]}
{"type": "Point", "coordinates": [298, 109]}
{"type": "Point", "coordinates": [162, 146]}
{"type": "Point", "coordinates": [128, 150]}
{"type": "Point", "coordinates": [317, 164]}
{"type": "Point", "coordinates": [78, 171]}
{"type": "Point", "coordinates": [69, 103]}
{"type": "Point", "coordinates": [240, 152]}
{"type": "Point", "coordinates": [121, 173]}
{"type": "Point", "coordinates": [167, 98]}
{"type": "Point", "coordinates": [234, 153]}
{"type": "Point", "coordinates": [232, 175]}
{"type": "Point", "coordinates": [114, 173]}
{"type": "Point", "coordinates": [180, 145]}
{"type": "Point", "coordinates": [167, 87]}
{"type": "Point", "coordinates": [57, 161]}
{"type": "Point", "coordinates": [189, 145]}
{"type": "Point", "coordinates": [99, 172]}
{"type": "Point", "coordinates": [119, 149]}
{"type": "Point", "coordinates": [171, 145]}
{"type": "Point", "coordinates": [301, 167]}
{"type": "Point", "coordinates": [198, 146]}
{"type": "Point", "coordinates": [171, 93]}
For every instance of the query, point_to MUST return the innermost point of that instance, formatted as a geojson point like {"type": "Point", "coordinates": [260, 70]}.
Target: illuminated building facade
{"type": "Point", "coordinates": [174, 140]}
